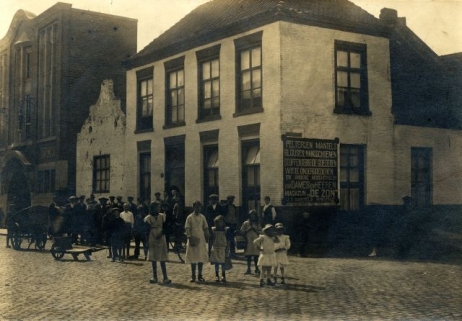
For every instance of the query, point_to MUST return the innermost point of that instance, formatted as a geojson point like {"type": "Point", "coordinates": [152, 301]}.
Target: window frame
{"type": "Point", "coordinates": [97, 185]}
{"type": "Point", "coordinates": [244, 44]}
{"type": "Point", "coordinates": [360, 185]}
{"type": "Point", "coordinates": [251, 193]}
{"type": "Point", "coordinates": [208, 56]}
{"type": "Point", "coordinates": [360, 49]}
{"type": "Point", "coordinates": [208, 151]}
{"type": "Point", "coordinates": [144, 123]}
{"type": "Point", "coordinates": [174, 66]}
{"type": "Point", "coordinates": [145, 175]}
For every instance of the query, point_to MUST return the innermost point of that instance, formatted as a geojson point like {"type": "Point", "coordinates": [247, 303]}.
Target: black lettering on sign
{"type": "Point", "coordinates": [310, 168]}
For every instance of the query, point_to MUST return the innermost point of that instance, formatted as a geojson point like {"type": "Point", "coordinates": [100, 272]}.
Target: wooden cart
{"type": "Point", "coordinates": [63, 245]}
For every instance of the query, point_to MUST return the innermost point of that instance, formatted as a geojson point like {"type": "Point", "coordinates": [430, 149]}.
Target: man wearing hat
{"type": "Point", "coordinates": [211, 211]}
{"type": "Point", "coordinates": [70, 221]}
{"type": "Point", "coordinates": [231, 222]}
{"type": "Point", "coordinates": [79, 218]}
{"type": "Point", "coordinates": [131, 204]}
{"type": "Point", "coordinates": [112, 202]}
{"type": "Point", "coordinates": [100, 210]}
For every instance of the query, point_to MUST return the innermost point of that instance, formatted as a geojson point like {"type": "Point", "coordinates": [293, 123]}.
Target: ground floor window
{"type": "Point", "coordinates": [352, 176]}
{"type": "Point", "coordinates": [211, 171]}
{"type": "Point", "coordinates": [251, 175]}
{"type": "Point", "coordinates": [101, 174]}
{"type": "Point", "coordinates": [421, 176]}
{"type": "Point", "coordinates": [145, 175]}
{"type": "Point", "coordinates": [46, 181]}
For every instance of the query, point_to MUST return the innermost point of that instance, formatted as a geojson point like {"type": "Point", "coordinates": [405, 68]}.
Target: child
{"type": "Point", "coordinates": [196, 228]}
{"type": "Point", "coordinates": [157, 242]}
{"type": "Point", "coordinates": [219, 247]}
{"type": "Point", "coordinates": [267, 258]}
{"type": "Point", "coordinates": [281, 248]}
{"type": "Point", "coordinates": [251, 230]}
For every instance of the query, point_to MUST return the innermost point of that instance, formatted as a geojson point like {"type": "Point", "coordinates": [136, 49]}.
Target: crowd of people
{"type": "Point", "coordinates": [210, 236]}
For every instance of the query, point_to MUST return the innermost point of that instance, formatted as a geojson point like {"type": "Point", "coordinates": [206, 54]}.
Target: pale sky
{"type": "Point", "coordinates": [437, 22]}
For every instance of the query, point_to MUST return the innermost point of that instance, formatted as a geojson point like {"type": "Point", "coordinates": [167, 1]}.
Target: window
{"type": "Point", "coordinates": [351, 177]}
{"type": "Point", "coordinates": [145, 99]}
{"type": "Point", "coordinates": [46, 181]}
{"type": "Point", "coordinates": [249, 74]}
{"type": "Point", "coordinates": [351, 94]}
{"type": "Point", "coordinates": [145, 175]}
{"type": "Point", "coordinates": [211, 163]}
{"type": "Point", "coordinates": [251, 175]}
{"type": "Point", "coordinates": [47, 65]}
{"type": "Point", "coordinates": [421, 176]}
{"type": "Point", "coordinates": [209, 82]}
{"type": "Point", "coordinates": [101, 174]}
{"type": "Point", "coordinates": [210, 88]}
{"type": "Point", "coordinates": [175, 113]}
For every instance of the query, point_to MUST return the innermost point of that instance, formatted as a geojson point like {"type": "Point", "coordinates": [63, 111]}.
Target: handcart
{"type": "Point", "coordinates": [63, 245]}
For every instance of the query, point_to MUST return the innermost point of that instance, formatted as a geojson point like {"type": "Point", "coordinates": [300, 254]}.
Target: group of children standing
{"type": "Point", "coordinates": [269, 250]}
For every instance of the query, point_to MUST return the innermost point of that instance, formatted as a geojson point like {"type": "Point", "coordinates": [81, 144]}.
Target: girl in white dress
{"type": "Point", "coordinates": [157, 243]}
{"type": "Point", "coordinates": [219, 247]}
{"type": "Point", "coordinates": [196, 248]}
{"type": "Point", "coordinates": [281, 248]}
{"type": "Point", "coordinates": [267, 258]}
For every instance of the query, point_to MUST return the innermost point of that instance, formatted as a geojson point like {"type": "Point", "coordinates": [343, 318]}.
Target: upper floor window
{"type": "Point", "coordinates": [101, 174]}
{"type": "Point", "coordinates": [209, 83]}
{"type": "Point", "coordinates": [175, 109]}
{"type": "Point", "coordinates": [249, 73]}
{"type": "Point", "coordinates": [145, 99]}
{"type": "Point", "coordinates": [351, 92]}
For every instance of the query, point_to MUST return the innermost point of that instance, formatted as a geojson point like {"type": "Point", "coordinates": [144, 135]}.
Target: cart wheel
{"type": "Point", "coordinates": [16, 241]}
{"type": "Point", "coordinates": [56, 252]}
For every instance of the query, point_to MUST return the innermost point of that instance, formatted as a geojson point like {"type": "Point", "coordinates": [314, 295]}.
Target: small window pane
{"type": "Point", "coordinates": [256, 94]}
{"type": "Point", "coordinates": [245, 60]}
{"type": "Point", "coordinates": [342, 79]}
{"type": "Point", "coordinates": [256, 78]}
{"type": "Point", "coordinates": [342, 58]}
{"type": "Point", "coordinates": [250, 176]}
{"type": "Point", "coordinates": [180, 78]}
{"type": "Point", "coordinates": [207, 90]}
{"type": "Point", "coordinates": [341, 96]}
{"type": "Point", "coordinates": [355, 80]}
{"type": "Point", "coordinates": [355, 98]}
{"type": "Point", "coordinates": [216, 102]}
{"type": "Point", "coordinates": [246, 80]}
{"type": "Point", "coordinates": [354, 175]}
{"type": "Point", "coordinates": [355, 60]}
{"type": "Point", "coordinates": [174, 114]}
{"type": "Point", "coordinates": [206, 70]}
{"type": "Point", "coordinates": [180, 97]}
{"type": "Point", "coordinates": [256, 57]}
{"type": "Point", "coordinates": [149, 87]}
{"type": "Point", "coordinates": [174, 98]}
{"type": "Point", "coordinates": [343, 175]}
{"type": "Point", "coordinates": [215, 68]}
{"type": "Point", "coordinates": [172, 80]}
{"type": "Point", "coordinates": [216, 88]}
{"type": "Point", "coordinates": [181, 113]}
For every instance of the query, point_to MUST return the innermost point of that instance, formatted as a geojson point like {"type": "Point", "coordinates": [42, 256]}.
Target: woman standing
{"type": "Point", "coordinates": [157, 242]}
{"type": "Point", "coordinates": [196, 248]}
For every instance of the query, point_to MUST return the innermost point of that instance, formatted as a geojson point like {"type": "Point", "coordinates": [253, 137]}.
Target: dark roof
{"type": "Point", "coordinates": [218, 19]}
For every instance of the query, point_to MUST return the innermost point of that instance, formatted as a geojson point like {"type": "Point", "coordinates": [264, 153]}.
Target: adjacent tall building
{"type": "Point", "coordinates": [316, 104]}
{"type": "Point", "coordinates": [51, 66]}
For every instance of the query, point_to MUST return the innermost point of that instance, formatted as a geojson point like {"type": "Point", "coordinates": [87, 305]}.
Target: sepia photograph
{"type": "Point", "coordinates": [230, 160]}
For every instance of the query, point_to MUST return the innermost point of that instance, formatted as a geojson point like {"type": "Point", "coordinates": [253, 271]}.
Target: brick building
{"type": "Point", "coordinates": [50, 68]}
{"type": "Point", "coordinates": [316, 104]}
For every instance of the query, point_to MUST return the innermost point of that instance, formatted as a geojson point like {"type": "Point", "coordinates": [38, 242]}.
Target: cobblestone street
{"type": "Point", "coordinates": [34, 286]}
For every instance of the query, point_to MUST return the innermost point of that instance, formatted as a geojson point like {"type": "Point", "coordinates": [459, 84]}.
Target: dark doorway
{"type": "Point", "coordinates": [174, 167]}
{"type": "Point", "coordinates": [18, 192]}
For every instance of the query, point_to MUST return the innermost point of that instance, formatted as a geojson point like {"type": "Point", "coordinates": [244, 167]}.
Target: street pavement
{"type": "Point", "coordinates": [34, 286]}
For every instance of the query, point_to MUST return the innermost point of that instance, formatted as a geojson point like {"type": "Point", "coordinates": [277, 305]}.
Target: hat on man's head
{"type": "Point", "coordinates": [73, 198]}
{"type": "Point", "coordinates": [102, 198]}
{"type": "Point", "coordinates": [111, 197]}
{"type": "Point", "coordinates": [82, 197]}
{"type": "Point", "coordinates": [119, 197]}
{"type": "Point", "coordinates": [140, 199]}
{"type": "Point", "coordinates": [157, 194]}
{"type": "Point", "coordinates": [130, 198]}
{"type": "Point", "coordinates": [267, 227]}
{"type": "Point", "coordinates": [406, 198]}
{"type": "Point", "coordinates": [230, 197]}
{"type": "Point", "coordinates": [279, 226]}
{"type": "Point", "coordinates": [213, 196]}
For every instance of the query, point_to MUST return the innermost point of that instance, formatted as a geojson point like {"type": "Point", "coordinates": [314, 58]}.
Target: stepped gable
{"type": "Point", "coordinates": [223, 18]}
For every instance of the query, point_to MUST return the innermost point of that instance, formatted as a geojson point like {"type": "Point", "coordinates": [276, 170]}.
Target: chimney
{"type": "Point", "coordinates": [388, 16]}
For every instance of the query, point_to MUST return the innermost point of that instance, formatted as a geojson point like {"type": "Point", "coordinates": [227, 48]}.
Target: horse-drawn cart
{"type": "Point", "coordinates": [29, 224]}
